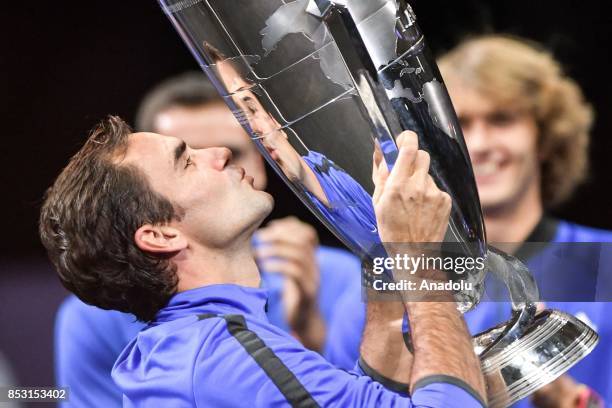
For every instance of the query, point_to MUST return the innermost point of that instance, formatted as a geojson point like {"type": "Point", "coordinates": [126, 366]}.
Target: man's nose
{"type": "Point", "coordinates": [477, 138]}
{"type": "Point", "coordinates": [220, 157]}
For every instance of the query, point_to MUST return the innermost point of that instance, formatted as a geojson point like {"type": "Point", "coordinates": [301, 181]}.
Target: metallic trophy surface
{"type": "Point", "coordinates": [320, 85]}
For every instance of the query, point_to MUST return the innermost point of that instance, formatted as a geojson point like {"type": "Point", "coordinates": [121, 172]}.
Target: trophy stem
{"type": "Point", "coordinates": [519, 281]}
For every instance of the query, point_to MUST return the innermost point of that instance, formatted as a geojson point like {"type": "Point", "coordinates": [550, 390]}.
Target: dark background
{"type": "Point", "coordinates": [64, 65]}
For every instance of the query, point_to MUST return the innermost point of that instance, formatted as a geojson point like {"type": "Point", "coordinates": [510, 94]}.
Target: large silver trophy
{"type": "Point", "coordinates": [319, 85]}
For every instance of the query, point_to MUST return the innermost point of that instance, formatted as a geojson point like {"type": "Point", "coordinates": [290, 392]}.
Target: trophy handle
{"type": "Point", "coordinates": [520, 321]}
{"type": "Point", "coordinates": [523, 291]}
{"type": "Point", "coordinates": [515, 275]}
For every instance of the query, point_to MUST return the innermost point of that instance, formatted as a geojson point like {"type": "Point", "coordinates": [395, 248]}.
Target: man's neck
{"type": "Point", "coordinates": [514, 222]}
{"type": "Point", "coordinates": [200, 266]}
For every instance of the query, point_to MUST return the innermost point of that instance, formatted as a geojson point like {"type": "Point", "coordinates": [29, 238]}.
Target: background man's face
{"type": "Point", "coordinates": [502, 143]}
{"type": "Point", "coordinates": [217, 197]}
{"type": "Point", "coordinates": [213, 125]}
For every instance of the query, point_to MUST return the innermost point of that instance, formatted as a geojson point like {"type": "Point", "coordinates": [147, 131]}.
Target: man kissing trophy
{"type": "Point", "coordinates": [323, 86]}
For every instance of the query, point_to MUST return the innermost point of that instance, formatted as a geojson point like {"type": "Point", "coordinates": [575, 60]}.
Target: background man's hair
{"type": "Point", "coordinates": [521, 74]}
{"type": "Point", "coordinates": [88, 221]}
{"type": "Point", "coordinates": [190, 89]}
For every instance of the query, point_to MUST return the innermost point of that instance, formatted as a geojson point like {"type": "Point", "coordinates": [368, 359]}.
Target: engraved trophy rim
{"type": "Point", "coordinates": [542, 337]}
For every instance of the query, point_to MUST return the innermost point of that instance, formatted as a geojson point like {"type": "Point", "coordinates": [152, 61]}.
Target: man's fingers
{"type": "Point", "coordinates": [420, 176]}
{"type": "Point", "coordinates": [431, 188]}
{"type": "Point", "coordinates": [285, 268]}
{"type": "Point", "coordinates": [382, 174]}
{"type": "Point", "coordinates": [378, 155]}
{"type": "Point", "coordinates": [270, 237]}
{"type": "Point", "coordinates": [285, 231]}
{"type": "Point", "coordinates": [422, 161]}
{"type": "Point", "coordinates": [408, 138]}
{"type": "Point", "coordinates": [404, 165]}
{"type": "Point", "coordinates": [290, 220]}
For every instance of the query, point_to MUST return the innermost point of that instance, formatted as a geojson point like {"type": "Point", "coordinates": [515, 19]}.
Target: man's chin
{"type": "Point", "coordinates": [493, 203]}
{"type": "Point", "coordinates": [267, 202]}
{"type": "Point", "coordinates": [270, 201]}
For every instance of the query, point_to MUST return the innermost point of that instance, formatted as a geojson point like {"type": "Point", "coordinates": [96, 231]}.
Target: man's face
{"type": "Point", "coordinates": [502, 143]}
{"type": "Point", "coordinates": [213, 125]}
{"type": "Point", "coordinates": [217, 197]}
{"type": "Point", "coordinates": [261, 122]}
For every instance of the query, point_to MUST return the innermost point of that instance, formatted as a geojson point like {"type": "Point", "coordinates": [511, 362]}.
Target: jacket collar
{"type": "Point", "coordinates": [543, 232]}
{"type": "Point", "coordinates": [215, 299]}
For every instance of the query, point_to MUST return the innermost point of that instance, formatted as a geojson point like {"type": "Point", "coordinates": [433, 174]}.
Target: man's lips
{"type": "Point", "coordinates": [243, 176]}
{"type": "Point", "coordinates": [488, 171]}
{"type": "Point", "coordinates": [239, 170]}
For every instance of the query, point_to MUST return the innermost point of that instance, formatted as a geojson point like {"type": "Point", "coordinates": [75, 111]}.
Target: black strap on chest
{"type": "Point", "coordinates": [275, 369]}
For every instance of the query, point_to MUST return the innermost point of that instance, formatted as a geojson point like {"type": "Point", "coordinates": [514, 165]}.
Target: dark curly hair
{"type": "Point", "coordinates": [88, 221]}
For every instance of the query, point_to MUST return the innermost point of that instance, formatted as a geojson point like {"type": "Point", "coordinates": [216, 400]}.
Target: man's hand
{"type": "Point", "coordinates": [411, 209]}
{"type": "Point", "coordinates": [409, 206]}
{"type": "Point", "coordinates": [288, 246]}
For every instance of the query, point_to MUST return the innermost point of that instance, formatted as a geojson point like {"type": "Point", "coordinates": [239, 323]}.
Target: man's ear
{"type": "Point", "coordinates": [159, 239]}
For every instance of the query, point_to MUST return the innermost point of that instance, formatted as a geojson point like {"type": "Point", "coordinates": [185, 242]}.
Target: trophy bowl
{"type": "Point", "coordinates": [319, 86]}
{"type": "Point", "coordinates": [551, 344]}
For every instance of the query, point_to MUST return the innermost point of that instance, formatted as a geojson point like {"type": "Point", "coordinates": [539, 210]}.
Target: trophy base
{"type": "Point", "coordinates": [550, 345]}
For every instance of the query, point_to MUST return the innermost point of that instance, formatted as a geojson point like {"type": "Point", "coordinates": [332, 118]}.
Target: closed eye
{"type": "Point", "coordinates": [188, 162]}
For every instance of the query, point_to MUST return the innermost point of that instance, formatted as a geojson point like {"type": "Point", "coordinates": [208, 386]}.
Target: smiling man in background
{"type": "Point", "coordinates": [526, 126]}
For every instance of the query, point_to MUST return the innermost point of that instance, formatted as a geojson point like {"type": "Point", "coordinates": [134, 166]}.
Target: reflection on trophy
{"type": "Point", "coordinates": [320, 85]}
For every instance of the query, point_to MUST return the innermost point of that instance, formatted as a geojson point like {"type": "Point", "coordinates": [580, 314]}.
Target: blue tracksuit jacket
{"type": "Point", "coordinates": [214, 347]}
{"type": "Point", "coordinates": [88, 340]}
